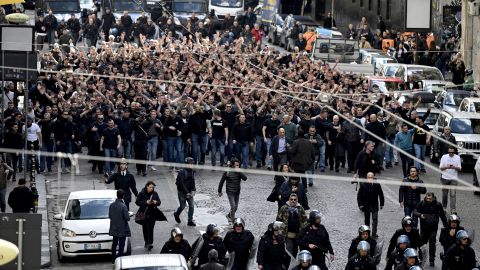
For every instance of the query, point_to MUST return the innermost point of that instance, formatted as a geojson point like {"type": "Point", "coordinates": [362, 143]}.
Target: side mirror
{"type": "Point", "coordinates": [58, 216]}
{"type": "Point", "coordinates": [131, 214]}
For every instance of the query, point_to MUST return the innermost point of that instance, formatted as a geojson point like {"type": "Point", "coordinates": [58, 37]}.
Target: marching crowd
{"type": "Point", "coordinates": [216, 89]}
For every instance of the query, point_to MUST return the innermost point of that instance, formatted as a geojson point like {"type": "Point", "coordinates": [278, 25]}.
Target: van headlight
{"type": "Point", "coordinates": [68, 233]}
{"type": "Point", "coordinates": [460, 144]}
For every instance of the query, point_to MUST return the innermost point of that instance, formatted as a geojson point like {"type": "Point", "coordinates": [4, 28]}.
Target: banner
{"type": "Point", "coordinates": [269, 9]}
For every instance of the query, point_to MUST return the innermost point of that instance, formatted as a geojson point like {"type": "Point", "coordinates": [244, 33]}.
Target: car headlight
{"type": "Point", "coordinates": [68, 233]}
{"type": "Point", "coordinates": [460, 144]}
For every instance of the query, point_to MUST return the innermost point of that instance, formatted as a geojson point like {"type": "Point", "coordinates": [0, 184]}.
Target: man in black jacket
{"type": "Point", "coordinates": [408, 230]}
{"type": "Point", "coordinates": [119, 229]}
{"type": "Point", "coordinates": [242, 138]}
{"type": "Point", "coordinates": [186, 191]}
{"type": "Point", "coordinates": [430, 211]}
{"type": "Point", "coordinates": [240, 242]}
{"type": "Point", "coordinates": [314, 238]}
{"type": "Point", "coordinates": [366, 161]}
{"type": "Point", "coordinates": [409, 193]}
{"type": "Point", "coordinates": [377, 129]}
{"type": "Point", "coordinates": [278, 149]}
{"type": "Point", "coordinates": [460, 256]}
{"type": "Point", "coordinates": [125, 181]}
{"type": "Point", "coordinates": [302, 156]}
{"type": "Point", "coordinates": [64, 136]}
{"type": "Point", "coordinates": [448, 234]}
{"type": "Point", "coordinates": [177, 245]}
{"type": "Point", "coordinates": [73, 25]}
{"type": "Point", "coordinates": [21, 198]}
{"type": "Point", "coordinates": [233, 183]}
{"type": "Point", "coordinates": [271, 254]}
{"type": "Point", "coordinates": [107, 21]}
{"type": "Point", "coordinates": [208, 241]}
{"type": "Point", "coordinates": [368, 197]}
{"type": "Point", "coordinates": [363, 235]}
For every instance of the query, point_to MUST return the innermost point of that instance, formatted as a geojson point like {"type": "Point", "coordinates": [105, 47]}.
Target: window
{"type": "Point", "coordinates": [379, 7]}
{"type": "Point", "coordinates": [389, 9]}
{"type": "Point", "coordinates": [370, 5]}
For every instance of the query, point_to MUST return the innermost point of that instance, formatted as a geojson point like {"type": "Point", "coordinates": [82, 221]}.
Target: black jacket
{"type": "Point", "coordinates": [432, 213]}
{"type": "Point", "coordinates": [119, 217]}
{"type": "Point", "coordinates": [209, 244]}
{"type": "Point", "coordinates": [361, 263]}
{"type": "Point", "coordinates": [63, 130]}
{"type": "Point", "coordinates": [368, 196]}
{"type": "Point", "coordinates": [241, 244]}
{"type": "Point", "coordinates": [302, 155]}
{"type": "Point", "coordinates": [21, 199]}
{"type": "Point", "coordinates": [457, 258]}
{"type": "Point", "coordinates": [184, 248]}
{"type": "Point", "coordinates": [126, 183]}
{"type": "Point", "coordinates": [408, 195]}
{"type": "Point", "coordinates": [353, 246]}
{"type": "Point", "coordinates": [185, 181]}
{"type": "Point", "coordinates": [319, 237]}
{"type": "Point", "coordinates": [395, 258]}
{"type": "Point", "coordinates": [242, 133]}
{"type": "Point", "coordinates": [233, 180]}
{"type": "Point", "coordinates": [271, 252]}
{"type": "Point", "coordinates": [376, 128]}
{"type": "Point", "coordinates": [413, 236]}
{"type": "Point", "coordinates": [365, 163]}
{"type": "Point", "coordinates": [286, 189]}
{"type": "Point", "coordinates": [448, 240]}
{"type": "Point", "coordinates": [142, 199]}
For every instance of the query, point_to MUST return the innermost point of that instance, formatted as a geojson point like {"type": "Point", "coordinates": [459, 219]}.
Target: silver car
{"type": "Point", "coordinates": [151, 262]}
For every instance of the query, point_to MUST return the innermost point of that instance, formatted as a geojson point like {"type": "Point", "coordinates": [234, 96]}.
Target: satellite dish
{"type": "Point", "coordinates": [8, 252]}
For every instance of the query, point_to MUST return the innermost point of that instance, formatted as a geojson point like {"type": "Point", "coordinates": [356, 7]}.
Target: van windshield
{"type": "Point", "coordinates": [465, 126]}
{"type": "Point", "coordinates": [227, 3]}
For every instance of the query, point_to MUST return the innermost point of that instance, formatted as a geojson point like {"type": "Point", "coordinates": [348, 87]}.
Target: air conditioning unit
{"type": "Point", "coordinates": [474, 7]}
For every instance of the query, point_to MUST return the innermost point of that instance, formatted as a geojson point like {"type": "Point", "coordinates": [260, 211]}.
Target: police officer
{"type": "Point", "coordinates": [460, 256]}
{"type": "Point", "coordinates": [304, 259]}
{"type": "Point", "coordinates": [177, 245]}
{"type": "Point", "coordinates": [211, 240]}
{"type": "Point", "coordinates": [408, 230]}
{"type": "Point", "coordinates": [448, 235]}
{"type": "Point", "coordinates": [363, 235]}
{"type": "Point", "coordinates": [315, 239]}
{"type": "Point", "coordinates": [411, 259]}
{"type": "Point", "coordinates": [361, 260]}
{"type": "Point", "coordinates": [239, 241]}
{"type": "Point", "coordinates": [125, 181]}
{"type": "Point", "coordinates": [397, 256]}
{"type": "Point", "coordinates": [271, 254]}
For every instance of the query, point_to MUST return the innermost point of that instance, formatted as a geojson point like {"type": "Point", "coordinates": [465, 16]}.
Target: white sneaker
{"type": "Point", "coordinates": [153, 168]}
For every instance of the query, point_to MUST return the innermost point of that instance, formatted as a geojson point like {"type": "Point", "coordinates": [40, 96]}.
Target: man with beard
{"type": "Point", "coordinates": [409, 193]}
{"type": "Point", "coordinates": [271, 254]}
{"type": "Point", "coordinates": [240, 242]}
{"type": "Point", "coordinates": [315, 239]}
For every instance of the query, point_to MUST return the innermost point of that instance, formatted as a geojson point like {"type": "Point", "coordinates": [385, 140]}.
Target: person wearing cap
{"type": "Point", "coordinates": [125, 181]}
{"type": "Point", "coordinates": [177, 245]}
{"type": "Point", "coordinates": [119, 229]}
{"type": "Point", "coordinates": [363, 259]}
{"type": "Point", "coordinates": [186, 191]}
{"type": "Point", "coordinates": [212, 262]}
{"type": "Point", "coordinates": [460, 256]}
{"type": "Point", "coordinates": [271, 254]}
{"type": "Point", "coordinates": [239, 241]}
{"type": "Point", "coordinates": [448, 234]}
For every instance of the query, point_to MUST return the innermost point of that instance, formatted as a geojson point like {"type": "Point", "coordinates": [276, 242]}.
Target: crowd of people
{"type": "Point", "coordinates": [215, 88]}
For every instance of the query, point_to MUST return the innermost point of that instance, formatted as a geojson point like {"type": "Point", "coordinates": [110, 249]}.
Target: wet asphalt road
{"type": "Point", "coordinates": [336, 201]}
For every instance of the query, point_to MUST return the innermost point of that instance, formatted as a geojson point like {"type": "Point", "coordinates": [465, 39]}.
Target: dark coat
{"type": "Point", "coordinates": [353, 246]}
{"type": "Point", "coordinates": [142, 199]}
{"type": "Point", "coordinates": [212, 266]}
{"type": "Point", "coordinates": [364, 263]}
{"type": "Point", "coordinates": [273, 151]}
{"type": "Point", "coordinates": [432, 213]}
{"type": "Point", "coordinates": [184, 248]}
{"type": "Point", "coordinates": [365, 163]}
{"type": "Point", "coordinates": [408, 195]}
{"type": "Point", "coordinates": [118, 215]}
{"type": "Point", "coordinates": [302, 155]}
{"type": "Point", "coordinates": [446, 239]}
{"type": "Point", "coordinates": [21, 199]}
{"type": "Point", "coordinates": [279, 180]}
{"type": "Point", "coordinates": [457, 258]}
{"type": "Point", "coordinates": [241, 244]}
{"type": "Point", "coordinates": [271, 252]}
{"type": "Point", "coordinates": [413, 236]}
{"type": "Point", "coordinates": [233, 181]}
{"type": "Point", "coordinates": [368, 196]}
{"type": "Point", "coordinates": [319, 237]}
{"type": "Point", "coordinates": [126, 183]}
{"type": "Point", "coordinates": [185, 181]}
{"type": "Point", "coordinates": [209, 244]}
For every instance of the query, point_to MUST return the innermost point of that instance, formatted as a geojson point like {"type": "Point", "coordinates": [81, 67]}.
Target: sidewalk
{"type": "Point", "coordinates": [42, 209]}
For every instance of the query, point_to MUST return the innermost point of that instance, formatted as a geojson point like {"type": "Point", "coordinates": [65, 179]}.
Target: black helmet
{"type": "Point", "coordinates": [410, 253]}
{"type": "Point", "coordinates": [462, 234]}
{"type": "Point", "coordinates": [313, 267]}
{"type": "Point", "coordinates": [314, 214]}
{"type": "Point", "coordinates": [276, 226]}
{"type": "Point", "coordinates": [212, 229]}
{"type": "Point", "coordinates": [407, 220]}
{"type": "Point", "coordinates": [176, 231]}
{"type": "Point", "coordinates": [403, 239]}
{"type": "Point", "coordinates": [239, 222]}
{"type": "Point", "coordinates": [363, 246]}
{"type": "Point", "coordinates": [304, 256]}
{"type": "Point", "coordinates": [363, 228]}
{"type": "Point", "coordinates": [416, 267]}
{"type": "Point", "coordinates": [454, 218]}
{"type": "Point", "coordinates": [189, 160]}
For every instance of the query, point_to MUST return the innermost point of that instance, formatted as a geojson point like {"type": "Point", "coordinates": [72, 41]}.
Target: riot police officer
{"type": "Point", "coordinates": [239, 241]}
{"type": "Point", "coordinates": [460, 256]}
{"type": "Point", "coordinates": [448, 235]}
{"type": "Point", "coordinates": [271, 254]}
{"type": "Point", "coordinates": [208, 241]}
{"type": "Point", "coordinates": [304, 259]}
{"type": "Point", "coordinates": [396, 257]}
{"type": "Point", "coordinates": [361, 260]}
{"type": "Point", "coordinates": [408, 230]}
{"type": "Point", "coordinates": [411, 259]}
{"type": "Point", "coordinates": [177, 245]}
{"type": "Point", "coordinates": [315, 239]}
{"type": "Point", "coordinates": [363, 235]}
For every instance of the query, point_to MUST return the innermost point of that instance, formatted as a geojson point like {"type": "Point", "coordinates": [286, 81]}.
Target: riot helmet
{"type": "Point", "coordinates": [212, 229]}
{"type": "Point", "coordinates": [407, 221]}
{"type": "Point", "coordinates": [313, 216]}
{"type": "Point", "coordinates": [410, 253]}
{"type": "Point", "coordinates": [462, 234]}
{"type": "Point", "coordinates": [239, 222]}
{"type": "Point", "coordinates": [176, 232]}
{"type": "Point", "coordinates": [363, 246]}
{"type": "Point", "coordinates": [403, 239]}
{"type": "Point", "coordinates": [313, 267]}
{"type": "Point", "coordinates": [304, 256]}
{"type": "Point", "coordinates": [453, 218]}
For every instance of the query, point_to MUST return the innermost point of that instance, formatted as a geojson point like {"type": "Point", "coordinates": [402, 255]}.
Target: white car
{"type": "Point", "coordinates": [476, 173]}
{"type": "Point", "coordinates": [85, 225]}
{"type": "Point", "coordinates": [151, 262]}
{"type": "Point", "coordinates": [469, 104]}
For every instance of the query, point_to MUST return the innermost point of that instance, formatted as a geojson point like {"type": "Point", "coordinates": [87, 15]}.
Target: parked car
{"type": "Point", "coordinates": [385, 84]}
{"type": "Point", "coordinates": [476, 173]}
{"type": "Point", "coordinates": [389, 69]}
{"type": "Point", "coordinates": [436, 86]}
{"type": "Point", "coordinates": [151, 262]}
{"type": "Point", "coordinates": [469, 104]}
{"type": "Point", "coordinates": [85, 224]}
{"type": "Point", "coordinates": [432, 117]}
{"type": "Point", "coordinates": [450, 100]}
{"type": "Point", "coordinates": [418, 72]}
{"type": "Point", "coordinates": [379, 60]}
{"type": "Point", "coordinates": [465, 127]}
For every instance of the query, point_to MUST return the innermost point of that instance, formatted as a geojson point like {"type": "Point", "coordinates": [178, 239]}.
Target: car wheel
{"type": "Point", "coordinates": [60, 257]}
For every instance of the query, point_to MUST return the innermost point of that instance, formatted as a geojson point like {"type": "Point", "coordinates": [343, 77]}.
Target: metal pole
{"type": "Point", "coordinates": [3, 88]}
{"type": "Point", "coordinates": [25, 111]}
{"type": "Point", "coordinates": [20, 243]}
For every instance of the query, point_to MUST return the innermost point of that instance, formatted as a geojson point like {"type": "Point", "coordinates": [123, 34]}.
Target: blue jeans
{"type": "Point", "coordinates": [419, 154]}
{"type": "Point", "coordinates": [321, 156]}
{"type": "Point", "coordinates": [259, 149]}
{"type": "Point", "coordinates": [174, 149]}
{"type": "Point", "coordinates": [109, 166]}
{"type": "Point", "coordinates": [152, 148]}
{"type": "Point", "coordinates": [380, 152]}
{"type": "Point", "coordinates": [126, 149]}
{"type": "Point", "coordinates": [218, 144]}
{"type": "Point", "coordinates": [242, 150]}
{"type": "Point", "coordinates": [229, 148]}
{"type": "Point", "coordinates": [65, 147]}
{"type": "Point", "coordinates": [183, 199]}
{"type": "Point", "coordinates": [408, 210]}
{"type": "Point", "coordinates": [199, 146]}
{"type": "Point", "coordinates": [269, 143]}
{"type": "Point", "coordinates": [165, 153]}
{"type": "Point", "coordinates": [389, 151]}
{"type": "Point", "coordinates": [47, 146]}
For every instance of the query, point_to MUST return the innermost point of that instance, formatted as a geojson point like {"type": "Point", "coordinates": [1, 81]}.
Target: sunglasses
{"type": "Point", "coordinates": [293, 200]}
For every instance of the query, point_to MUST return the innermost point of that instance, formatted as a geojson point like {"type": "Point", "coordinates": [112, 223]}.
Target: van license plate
{"type": "Point", "coordinates": [92, 246]}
